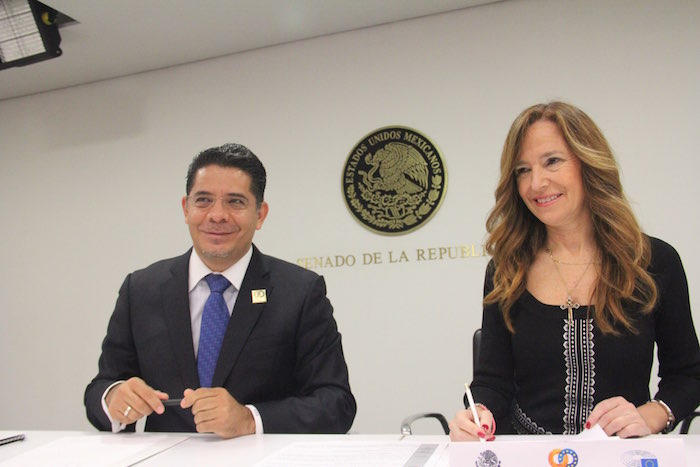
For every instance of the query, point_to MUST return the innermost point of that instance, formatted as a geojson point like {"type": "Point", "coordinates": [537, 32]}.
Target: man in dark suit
{"type": "Point", "coordinates": [280, 366]}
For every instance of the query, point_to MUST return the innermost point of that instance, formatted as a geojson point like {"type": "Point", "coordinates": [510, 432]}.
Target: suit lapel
{"type": "Point", "coordinates": [176, 310]}
{"type": "Point", "coordinates": [244, 317]}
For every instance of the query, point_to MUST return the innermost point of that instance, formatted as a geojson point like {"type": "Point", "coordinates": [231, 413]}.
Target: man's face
{"type": "Point", "coordinates": [222, 215]}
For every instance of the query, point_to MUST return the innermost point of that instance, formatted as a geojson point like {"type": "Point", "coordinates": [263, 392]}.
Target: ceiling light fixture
{"type": "Point", "coordinates": [28, 33]}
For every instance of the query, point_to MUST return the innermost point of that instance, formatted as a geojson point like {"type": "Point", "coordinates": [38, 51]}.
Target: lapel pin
{"type": "Point", "coordinates": [259, 296]}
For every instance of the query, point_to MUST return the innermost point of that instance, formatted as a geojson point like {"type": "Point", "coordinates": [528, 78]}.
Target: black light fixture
{"type": "Point", "coordinates": [28, 33]}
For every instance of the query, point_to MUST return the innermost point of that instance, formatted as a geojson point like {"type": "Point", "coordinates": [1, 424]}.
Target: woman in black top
{"type": "Point", "coordinates": [576, 295]}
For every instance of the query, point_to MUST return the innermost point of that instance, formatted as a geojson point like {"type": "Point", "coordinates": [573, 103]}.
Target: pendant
{"type": "Point", "coordinates": [571, 306]}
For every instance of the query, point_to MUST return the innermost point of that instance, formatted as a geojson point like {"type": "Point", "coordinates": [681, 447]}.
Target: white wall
{"type": "Point", "coordinates": [91, 179]}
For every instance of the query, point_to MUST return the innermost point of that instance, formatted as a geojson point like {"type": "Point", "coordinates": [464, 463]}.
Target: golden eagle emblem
{"type": "Point", "coordinates": [401, 169]}
{"type": "Point", "coordinates": [394, 180]}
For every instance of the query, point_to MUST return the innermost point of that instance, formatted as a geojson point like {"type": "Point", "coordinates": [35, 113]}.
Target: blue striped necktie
{"type": "Point", "coordinates": [214, 321]}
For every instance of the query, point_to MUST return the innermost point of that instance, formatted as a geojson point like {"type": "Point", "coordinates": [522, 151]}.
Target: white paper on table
{"type": "Point", "coordinates": [356, 454]}
{"type": "Point", "coordinates": [594, 433]}
{"type": "Point", "coordinates": [103, 450]}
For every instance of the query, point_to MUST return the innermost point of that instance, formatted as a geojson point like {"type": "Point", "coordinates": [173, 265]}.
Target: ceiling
{"type": "Point", "coordinates": [116, 38]}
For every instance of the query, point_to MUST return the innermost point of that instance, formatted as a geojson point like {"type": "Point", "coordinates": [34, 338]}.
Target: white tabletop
{"type": "Point", "coordinates": [247, 450]}
{"type": "Point", "coordinates": [197, 449]}
{"type": "Point", "coordinates": [210, 450]}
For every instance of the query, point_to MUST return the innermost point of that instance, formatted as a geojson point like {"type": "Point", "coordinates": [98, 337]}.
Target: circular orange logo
{"type": "Point", "coordinates": [563, 458]}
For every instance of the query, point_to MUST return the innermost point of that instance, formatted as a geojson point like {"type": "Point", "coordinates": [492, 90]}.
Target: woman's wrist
{"type": "Point", "coordinates": [670, 418]}
{"type": "Point", "coordinates": [658, 416]}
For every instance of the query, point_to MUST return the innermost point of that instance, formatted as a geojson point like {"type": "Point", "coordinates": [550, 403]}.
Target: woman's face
{"type": "Point", "coordinates": [549, 177]}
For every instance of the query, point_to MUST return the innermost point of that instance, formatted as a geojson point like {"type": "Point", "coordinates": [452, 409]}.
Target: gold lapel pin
{"type": "Point", "coordinates": [259, 296]}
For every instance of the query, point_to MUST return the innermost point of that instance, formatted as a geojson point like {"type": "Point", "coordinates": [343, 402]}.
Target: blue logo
{"type": "Point", "coordinates": [639, 458]}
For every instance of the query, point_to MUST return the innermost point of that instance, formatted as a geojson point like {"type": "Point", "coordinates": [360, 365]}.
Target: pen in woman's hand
{"type": "Point", "coordinates": [472, 406]}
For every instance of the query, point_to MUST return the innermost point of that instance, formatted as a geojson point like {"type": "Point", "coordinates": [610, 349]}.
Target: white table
{"type": "Point", "coordinates": [249, 450]}
{"type": "Point", "coordinates": [198, 449]}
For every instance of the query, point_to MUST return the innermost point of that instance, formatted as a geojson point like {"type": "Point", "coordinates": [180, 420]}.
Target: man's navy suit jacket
{"type": "Point", "coordinates": [283, 356]}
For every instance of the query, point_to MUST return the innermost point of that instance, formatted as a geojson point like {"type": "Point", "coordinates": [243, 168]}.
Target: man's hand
{"type": "Point", "coordinates": [216, 411]}
{"type": "Point", "coordinates": [134, 399]}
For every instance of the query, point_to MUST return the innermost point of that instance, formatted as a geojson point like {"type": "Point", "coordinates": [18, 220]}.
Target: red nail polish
{"type": "Point", "coordinates": [485, 427]}
{"type": "Point", "coordinates": [588, 425]}
{"type": "Point", "coordinates": [482, 434]}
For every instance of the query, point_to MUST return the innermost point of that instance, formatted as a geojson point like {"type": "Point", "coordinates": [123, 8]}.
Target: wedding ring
{"type": "Point", "coordinates": [127, 411]}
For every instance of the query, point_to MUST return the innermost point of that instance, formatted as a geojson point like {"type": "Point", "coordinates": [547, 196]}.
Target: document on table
{"type": "Point", "coordinates": [594, 433]}
{"type": "Point", "coordinates": [357, 454]}
{"type": "Point", "coordinates": [102, 450]}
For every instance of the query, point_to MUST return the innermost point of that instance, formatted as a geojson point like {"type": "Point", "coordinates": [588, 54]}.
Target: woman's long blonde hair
{"type": "Point", "coordinates": [515, 235]}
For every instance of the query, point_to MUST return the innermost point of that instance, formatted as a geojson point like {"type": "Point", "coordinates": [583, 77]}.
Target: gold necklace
{"type": "Point", "coordinates": [570, 304]}
{"type": "Point", "coordinates": [558, 261]}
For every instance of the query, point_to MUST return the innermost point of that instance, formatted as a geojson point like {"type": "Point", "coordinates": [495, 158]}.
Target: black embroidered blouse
{"type": "Point", "coordinates": [548, 376]}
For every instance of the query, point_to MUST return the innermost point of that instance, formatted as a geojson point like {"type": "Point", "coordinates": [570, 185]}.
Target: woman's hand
{"type": "Point", "coordinates": [463, 428]}
{"type": "Point", "coordinates": [617, 416]}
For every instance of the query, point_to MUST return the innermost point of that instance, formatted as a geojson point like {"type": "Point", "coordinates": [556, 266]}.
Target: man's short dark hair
{"type": "Point", "coordinates": [231, 155]}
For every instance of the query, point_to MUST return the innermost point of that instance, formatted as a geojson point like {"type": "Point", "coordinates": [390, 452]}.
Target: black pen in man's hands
{"type": "Point", "coordinates": [172, 402]}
